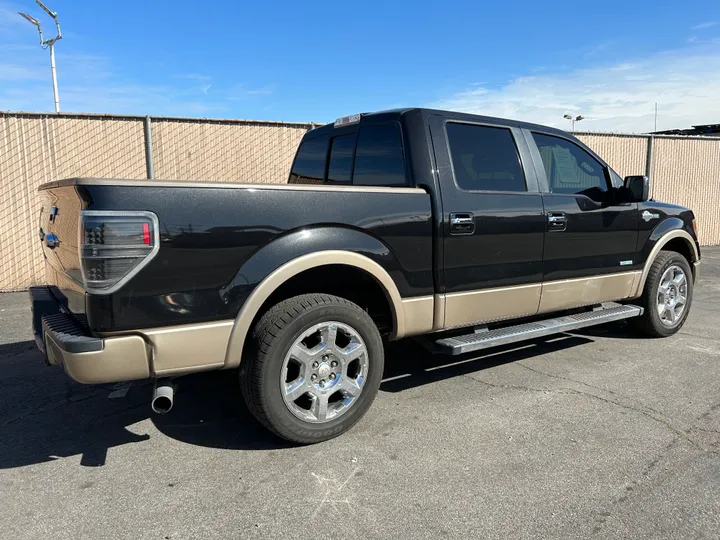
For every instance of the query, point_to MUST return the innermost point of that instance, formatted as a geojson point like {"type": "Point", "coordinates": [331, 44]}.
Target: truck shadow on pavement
{"type": "Point", "coordinates": [46, 416]}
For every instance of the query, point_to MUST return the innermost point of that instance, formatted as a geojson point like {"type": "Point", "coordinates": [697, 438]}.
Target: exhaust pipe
{"type": "Point", "coordinates": [163, 396]}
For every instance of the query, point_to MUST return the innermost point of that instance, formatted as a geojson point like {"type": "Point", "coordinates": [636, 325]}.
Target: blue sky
{"type": "Point", "coordinates": [302, 61]}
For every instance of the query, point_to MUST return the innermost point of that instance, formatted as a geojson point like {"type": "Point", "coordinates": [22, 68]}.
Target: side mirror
{"type": "Point", "coordinates": [637, 188]}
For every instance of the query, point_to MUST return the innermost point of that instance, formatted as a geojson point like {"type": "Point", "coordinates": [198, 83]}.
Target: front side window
{"type": "Point", "coordinates": [309, 165]}
{"type": "Point", "coordinates": [485, 158]}
{"type": "Point", "coordinates": [379, 157]}
{"type": "Point", "coordinates": [570, 169]}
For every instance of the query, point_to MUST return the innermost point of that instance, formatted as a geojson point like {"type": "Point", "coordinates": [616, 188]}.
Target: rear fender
{"type": "Point", "coordinates": [296, 252]}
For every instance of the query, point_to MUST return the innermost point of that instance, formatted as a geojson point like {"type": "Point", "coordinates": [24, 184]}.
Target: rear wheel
{"type": "Point", "coordinates": [313, 367]}
{"type": "Point", "coordinates": [667, 296]}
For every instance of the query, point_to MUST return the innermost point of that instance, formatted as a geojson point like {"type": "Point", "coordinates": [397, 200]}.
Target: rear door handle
{"type": "Point", "coordinates": [462, 223]}
{"type": "Point", "coordinates": [557, 221]}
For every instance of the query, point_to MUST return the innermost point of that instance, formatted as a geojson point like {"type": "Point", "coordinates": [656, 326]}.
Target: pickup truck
{"type": "Point", "coordinates": [468, 230]}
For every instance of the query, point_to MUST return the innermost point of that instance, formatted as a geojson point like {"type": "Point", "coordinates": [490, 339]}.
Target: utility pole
{"type": "Point", "coordinates": [48, 44]}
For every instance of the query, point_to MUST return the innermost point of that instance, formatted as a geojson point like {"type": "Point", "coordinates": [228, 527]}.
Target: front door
{"type": "Point", "coordinates": [591, 239]}
{"type": "Point", "coordinates": [493, 222]}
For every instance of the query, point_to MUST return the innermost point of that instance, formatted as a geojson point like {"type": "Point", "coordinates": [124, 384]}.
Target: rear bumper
{"type": "Point", "coordinates": [85, 358]}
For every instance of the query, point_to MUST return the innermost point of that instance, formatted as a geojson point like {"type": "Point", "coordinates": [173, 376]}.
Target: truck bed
{"type": "Point", "coordinates": [217, 240]}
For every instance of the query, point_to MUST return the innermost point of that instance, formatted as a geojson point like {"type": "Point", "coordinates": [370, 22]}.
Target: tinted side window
{"type": "Point", "coordinates": [485, 158]}
{"type": "Point", "coordinates": [309, 165]}
{"type": "Point", "coordinates": [342, 149]}
{"type": "Point", "coordinates": [570, 169]}
{"type": "Point", "coordinates": [379, 157]}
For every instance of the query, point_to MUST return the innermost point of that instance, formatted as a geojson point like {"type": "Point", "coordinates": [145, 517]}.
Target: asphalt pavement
{"type": "Point", "coordinates": [596, 434]}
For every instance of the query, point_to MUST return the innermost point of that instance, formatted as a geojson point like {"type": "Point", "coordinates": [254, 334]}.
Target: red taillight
{"type": "Point", "coordinates": [114, 246]}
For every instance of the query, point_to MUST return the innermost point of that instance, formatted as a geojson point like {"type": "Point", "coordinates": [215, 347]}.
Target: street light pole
{"type": "Point", "coordinates": [48, 43]}
{"type": "Point", "coordinates": [573, 119]}
{"type": "Point", "coordinates": [54, 77]}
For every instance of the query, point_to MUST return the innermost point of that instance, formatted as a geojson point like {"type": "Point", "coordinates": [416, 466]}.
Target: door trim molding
{"type": "Point", "coordinates": [467, 308]}
{"type": "Point", "coordinates": [579, 292]}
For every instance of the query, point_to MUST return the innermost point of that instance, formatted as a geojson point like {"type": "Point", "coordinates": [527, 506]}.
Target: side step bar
{"type": "Point", "coordinates": [522, 332]}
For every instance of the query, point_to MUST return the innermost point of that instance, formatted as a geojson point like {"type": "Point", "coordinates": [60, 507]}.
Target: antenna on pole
{"type": "Point", "coordinates": [48, 44]}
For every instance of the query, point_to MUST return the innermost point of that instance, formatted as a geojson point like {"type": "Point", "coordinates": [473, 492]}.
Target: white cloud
{"type": "Point", "coordinates": [700, 26]}
{"type": "Point", "coordinates": [619, 97]}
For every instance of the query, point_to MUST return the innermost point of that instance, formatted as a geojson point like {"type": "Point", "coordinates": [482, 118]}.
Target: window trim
{"type": "Point", "coordinates": [542, 175]}
{"type": "Point", "coordinates": [514, 137]}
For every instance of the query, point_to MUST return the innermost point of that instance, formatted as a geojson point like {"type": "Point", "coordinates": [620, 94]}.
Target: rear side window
{"type": "Point", "coordinates": [309, 165]}
{"type": "Point", "coordinates": [379, 157]}
{"type": "Point", "coordinates": [485, 158]}
{"type": "Point", "coordinates": [341, 159]}
{"type": "Point", "coordinates": [570, 169]}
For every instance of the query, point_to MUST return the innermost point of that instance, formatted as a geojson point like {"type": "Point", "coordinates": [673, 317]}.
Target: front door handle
{"type": "Point", "coordinates": [557, 221]}
{"type": "Point", "coordinates": [462, 223]}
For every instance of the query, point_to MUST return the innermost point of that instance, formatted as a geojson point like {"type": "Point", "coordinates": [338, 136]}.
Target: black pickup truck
{"type": "Point", "coordinates": [472, 231]}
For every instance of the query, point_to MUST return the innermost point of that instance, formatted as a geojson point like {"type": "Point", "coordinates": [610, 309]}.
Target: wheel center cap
{"type": "Point", "coordinates": [324, 370]}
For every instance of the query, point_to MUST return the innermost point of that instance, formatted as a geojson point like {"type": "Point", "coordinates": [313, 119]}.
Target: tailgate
{"type": "Point", "coordinates": [58, 236]}
{"type": "Point", "coordinates": [59, 231]}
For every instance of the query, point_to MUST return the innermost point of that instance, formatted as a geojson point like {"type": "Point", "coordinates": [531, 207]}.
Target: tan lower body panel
{"type": "Point", "coordinates": [419, 314]}
{"type": "Point", "coordinates": [189, 348]}
{"type": "Point", "coordinates": [123, 358]}
{"type": "Point", "coordinates": [487, 305]}
{"type": "Point", "coordinates": [571, 293]}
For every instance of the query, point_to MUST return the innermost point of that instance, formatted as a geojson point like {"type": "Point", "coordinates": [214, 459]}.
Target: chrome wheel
{"type": "Point", "coordinates": [324, 372]}
{"type": "Point", "coordinates": [672, 296]}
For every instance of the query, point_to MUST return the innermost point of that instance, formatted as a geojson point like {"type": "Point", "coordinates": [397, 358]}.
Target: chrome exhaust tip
{"type": "Point", "coordinates": [163, 396]}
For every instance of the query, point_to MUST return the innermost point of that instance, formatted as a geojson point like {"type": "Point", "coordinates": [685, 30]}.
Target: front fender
{"type": "Point", "coordinates": [667, 230]}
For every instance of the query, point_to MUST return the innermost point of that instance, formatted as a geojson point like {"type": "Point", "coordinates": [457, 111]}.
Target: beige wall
{"type": "Point", "coordinates": [684, 170]}
{"type": "Point", "coordinates": [37, 148]}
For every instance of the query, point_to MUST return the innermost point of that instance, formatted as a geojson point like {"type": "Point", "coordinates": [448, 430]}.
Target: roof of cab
{"type": "Point", "coordinates": [395, 114]}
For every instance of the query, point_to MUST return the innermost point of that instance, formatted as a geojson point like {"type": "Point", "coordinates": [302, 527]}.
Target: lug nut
{"type": "Point", "coordinates": [332, 376]}
{"type": "Point", "coordinates": [333, 363]}
{"type": "Point", "coordinates": [315, 365]}
{"type": "Point", "coordinates": [313, 377]}
{"type": "Point", "coordinates": [322, 382]}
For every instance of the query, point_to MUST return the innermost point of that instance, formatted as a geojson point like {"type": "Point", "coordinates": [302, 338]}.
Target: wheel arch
{"type": "Point", "coordinates": [677, 240]}
{"type": "Point", "coordinates": [290, 269]}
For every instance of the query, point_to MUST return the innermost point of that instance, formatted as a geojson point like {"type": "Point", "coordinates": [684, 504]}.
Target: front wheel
{"type": "Point", "coordinates": [667, 296]}
{"type": "Point", "coordinates": [313, 367]}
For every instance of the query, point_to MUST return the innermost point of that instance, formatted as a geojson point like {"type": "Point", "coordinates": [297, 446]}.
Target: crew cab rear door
{"type": "Point", "coordinates": [493, 221]}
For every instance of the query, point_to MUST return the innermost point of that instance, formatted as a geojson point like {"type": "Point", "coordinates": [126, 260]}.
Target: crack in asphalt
{"type": "Point", "coordinates": [648, 412]}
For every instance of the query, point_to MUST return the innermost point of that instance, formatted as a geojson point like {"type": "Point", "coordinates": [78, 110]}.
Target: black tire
{"type": "Point", "coordinates": [650, 323]}
{"type": "Point", "coordinates": [270, 341]}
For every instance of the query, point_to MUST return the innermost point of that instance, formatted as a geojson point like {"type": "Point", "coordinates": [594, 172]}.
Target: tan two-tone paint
{"type": "Point", "coordinates": [217, 345]}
